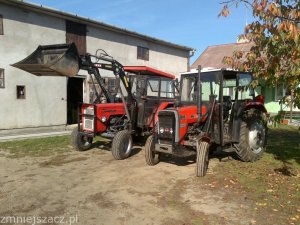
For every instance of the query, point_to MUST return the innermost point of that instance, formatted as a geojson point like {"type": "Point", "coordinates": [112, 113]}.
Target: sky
{"type": "Point", "coordinates": [192, 23]}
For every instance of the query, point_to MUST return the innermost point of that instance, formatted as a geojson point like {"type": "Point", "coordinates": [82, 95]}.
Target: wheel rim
{"type": "Point", "coordinates": [257, 137]}
{"type": "Point", "coordinates": [127, 146]}
{"type": "Point", "coordinates": [85, 140]}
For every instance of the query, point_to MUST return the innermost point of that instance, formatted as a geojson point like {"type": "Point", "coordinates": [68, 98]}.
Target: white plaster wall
{"type": "Point", "coordinates": [43, 106]}
{"type": "Point", "coordinates": [45, 103]}
{"type": "Point", "coordinates": [124, 49]}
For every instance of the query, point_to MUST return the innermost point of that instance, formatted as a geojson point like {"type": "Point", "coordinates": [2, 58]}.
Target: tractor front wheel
{"type": "Point", "coordinates": [151, 157]}
{"type": "Point", "coordinates": [80, 141]}
{"type": "Point", "coordinates": [202, 158]}
{"type": "Point", "coordinates": [122, 145]}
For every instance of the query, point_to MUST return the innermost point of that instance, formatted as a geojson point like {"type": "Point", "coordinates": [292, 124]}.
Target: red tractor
{"type": "Point", "coordinates": [148, 90]}
{"type": "Point", "coordinates": [216, 108]}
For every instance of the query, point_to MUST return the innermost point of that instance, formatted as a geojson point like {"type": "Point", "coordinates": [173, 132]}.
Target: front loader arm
{"type": "Point", "coordinates": [64, 60]}
{"type": "Point", "coordinates": [113, 65]}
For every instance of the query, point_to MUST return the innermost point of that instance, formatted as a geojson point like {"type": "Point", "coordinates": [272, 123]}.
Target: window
{"type": "Point", "coordinates": [143, 53]}
{"type": "Point", "coordinates": [153, 88]}
{"type": "Point", "coordinates": [167, 89]}
{"type": "Point", "coordinates": [2, 81]}
{"type": "Point", "coordinates": [113, 85]}
{"type": "Point", "coordinates": [280, 92]}
{"type": "Point", "coordinates": [21, 92]}
{"type": "Point", "coordinates": [188, 89]}
{"type": "Point", "coordinates": [138, 86]}
{"type": "Point", "coordinates": [1, 25]}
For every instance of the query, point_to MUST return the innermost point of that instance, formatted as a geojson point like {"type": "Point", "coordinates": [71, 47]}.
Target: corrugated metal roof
{"type": "Point", "coordinates": [213, 56]}
{"type": "Point", "coordinates": [88, 21]}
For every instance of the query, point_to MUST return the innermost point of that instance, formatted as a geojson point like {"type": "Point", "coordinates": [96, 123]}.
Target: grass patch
{"type": "Point", "coordinates": [273, 181]}
{"type": "Point", "coordinates": [37, 147]}
{"type": "Point", "coordinates": [43, 146]}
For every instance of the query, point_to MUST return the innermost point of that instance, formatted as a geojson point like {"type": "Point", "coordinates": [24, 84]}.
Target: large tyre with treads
{"type": "Point", "coordinates": [202, 158]}
{"type": "Point", "coordinates": [80, 141]}
{"type": "Point", "coordinates": [253, 138]}
{"type": "Point", "coordinates": [122, 145]}
{"type": "Point", "coordinates": [151, 157]}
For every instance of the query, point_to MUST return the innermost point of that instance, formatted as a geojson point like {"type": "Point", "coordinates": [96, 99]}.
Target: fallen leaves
{"type": "Point", "coordinates": [261, 204]}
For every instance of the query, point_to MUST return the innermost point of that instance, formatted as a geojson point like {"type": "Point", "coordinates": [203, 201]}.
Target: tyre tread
{"type": "Point", "coordinates": [201, 167]}
{"type": "Point", "coordinates": [150, 160]}
{"type": "Point", "coordinates": [117, 142]}
{"type": "Point", "coordinates": [243, 151]}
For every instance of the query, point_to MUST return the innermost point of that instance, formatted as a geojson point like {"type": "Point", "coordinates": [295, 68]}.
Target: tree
{"type": "Point", "coordinates": [275, 34]}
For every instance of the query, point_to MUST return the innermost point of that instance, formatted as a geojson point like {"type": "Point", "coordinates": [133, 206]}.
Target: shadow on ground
{"type": "Point", "coordinates": [290, 138]}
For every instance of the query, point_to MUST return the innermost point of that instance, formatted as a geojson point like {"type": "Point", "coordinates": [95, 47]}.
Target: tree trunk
{"type": "Point", "coordinates": [291, 105]}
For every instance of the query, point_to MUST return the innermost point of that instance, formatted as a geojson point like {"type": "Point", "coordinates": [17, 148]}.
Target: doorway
{"type": "Point", "coordinates": [74, 97]}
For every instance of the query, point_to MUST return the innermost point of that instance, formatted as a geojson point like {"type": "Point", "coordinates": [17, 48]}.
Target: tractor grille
{"type": "Point", "coordinates": [88, 124]}
{"type": "Point", "coordinates": [88, 119]}
{"type": "Point", "coordinates": [166, 126]}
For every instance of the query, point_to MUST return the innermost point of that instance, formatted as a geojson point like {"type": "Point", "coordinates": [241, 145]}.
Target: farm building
{"type": "Point", "coordinates": [30, 101]}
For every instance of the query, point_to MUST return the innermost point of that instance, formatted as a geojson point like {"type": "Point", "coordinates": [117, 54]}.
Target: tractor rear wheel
{"type": "Point", "coordinates": [252, 139]}
{"type": "Point", "coordinates": [80, 141]}
{"type": "Point", "coordinates": [151, 157]}
{"type": "Point", "coordinates": [202, 158]}
{"type": "Point", "coordinates": [122, 145]}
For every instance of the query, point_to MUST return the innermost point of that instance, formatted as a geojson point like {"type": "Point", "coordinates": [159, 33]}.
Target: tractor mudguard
{"type": "Point", "coordinates": [52, 60]}
{"type": "Point", "coordinates": [256, 105]}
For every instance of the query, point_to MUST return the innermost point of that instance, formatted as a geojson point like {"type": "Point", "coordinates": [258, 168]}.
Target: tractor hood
{"type": "Point", "coordinates": [52, 60]}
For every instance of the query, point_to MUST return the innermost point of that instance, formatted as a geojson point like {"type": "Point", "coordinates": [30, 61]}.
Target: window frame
{"type": "Point", "coordinates": [143, 53]}
{"type": "Point", "coordinates": [113, 82]}
{"type": "Point", "coordinates": [2, 77]}
{"type": "Point", "coordinates": [167, 93]}
{"type": "Point", "coordinates": [18, 95]}
{"type": "Point", "coordinates": [1, 25]}
{"type": "Point", "coordinates": [150, 87]}
{"type": "Point", "coordinates": [283, 90]}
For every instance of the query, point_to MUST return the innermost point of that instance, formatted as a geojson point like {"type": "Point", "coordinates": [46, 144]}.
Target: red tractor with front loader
{"type": "Point", "coordinates": [121, 118]}
{"type": "Point", "coordinates": [217, 108]}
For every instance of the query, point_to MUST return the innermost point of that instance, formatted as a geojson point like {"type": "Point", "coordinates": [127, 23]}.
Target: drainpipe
{"type": "Point", "coordinates": [192, 53]}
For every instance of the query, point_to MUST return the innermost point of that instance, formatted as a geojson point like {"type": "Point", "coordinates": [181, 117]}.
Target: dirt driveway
{"type": "Point", "coordinates": [96, 189]}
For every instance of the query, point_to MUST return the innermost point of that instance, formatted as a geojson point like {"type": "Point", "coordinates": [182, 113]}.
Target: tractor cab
{"type": "Point", "coordinates": [150, 88]}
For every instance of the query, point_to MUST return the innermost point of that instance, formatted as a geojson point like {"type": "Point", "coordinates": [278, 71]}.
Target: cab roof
{"type": "Point", "coordinates": [145, 70]}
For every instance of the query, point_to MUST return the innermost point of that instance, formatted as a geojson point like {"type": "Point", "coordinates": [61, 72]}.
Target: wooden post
{"type": "Point", "coordinates": [291, 105]}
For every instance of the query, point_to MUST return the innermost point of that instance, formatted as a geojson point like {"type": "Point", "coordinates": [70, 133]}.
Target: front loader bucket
{"type": "Point", "coordinates": [52, 60]}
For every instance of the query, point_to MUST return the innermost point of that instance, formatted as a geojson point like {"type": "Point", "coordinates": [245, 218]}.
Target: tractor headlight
{"type": "Point", "coordinates": [103, 119]}
{"type": "Point", "coordinates": [161, 130]}
{"type": "Point", "coordinates": [89, 111]}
